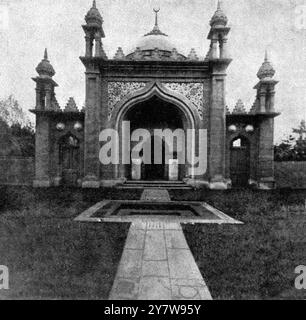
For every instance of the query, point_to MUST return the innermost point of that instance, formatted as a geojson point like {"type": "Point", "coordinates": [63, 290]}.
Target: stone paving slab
{"type": "Point", "coordinates": [135, 239]}
{"type": "Point", "coordinates": [175, 239]}
{"type": "Point", "coordinates": [131, 268]}
{"type": "Point", "coordinates": [182, 264]}
{"type": "Point", "coordinates": [157, 264]}
{"type": "Point", "coordinates": [155, 248]}
{"type": "Point", "coordinates": [159, 195]}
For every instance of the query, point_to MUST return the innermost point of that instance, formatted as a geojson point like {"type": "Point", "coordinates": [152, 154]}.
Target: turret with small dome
{"type": "Point", "coordinates": [44, 68]}
{"type": "Point", "coordinates": [219, 18]}
{"type": "Point", "coordinates": [93, 16]}
{"type": "Point", "coordinates": [266, 71]}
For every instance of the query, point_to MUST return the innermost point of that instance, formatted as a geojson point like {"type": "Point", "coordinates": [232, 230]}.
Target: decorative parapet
{"type": "Point", "coordinates": [193, 55]}
{"type": "Point", "coordinates": [71, 106]}
{"type": "Point", "coordinates": [119, 54]}
{"type": "Point", "coordinates": [174, 55]}
{"type": "Point", "coordinates": [239, 108]}
{"type": "Point", "coordinates": [138, 54]}
{"type": "Point", "coordinates": [193, 91]}
{"type": "Point", "coordinates": [118, 90]}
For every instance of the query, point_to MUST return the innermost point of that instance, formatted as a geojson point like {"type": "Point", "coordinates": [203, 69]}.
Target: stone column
{"type": "Point", "coordinates": [91, 141]}
{"type": "Point", "coordinates": [48, 91]}
{"type": "Point", "coordinates": [271, 100]}
{"type": "Point", "coordinates": [266, 155]}
{"type": "Point", "coordinates": [88, 41]}
{"type": "Point", "coordinates": [214, 48]}
{"type": "Point", "coordinates": [42, 152]}
{"type": "Point", "coordinates": [217, 128]}
{"type": "Point", "coordinates": [262, 99]}
{"type": "Point", "coordinates": [38, 97]}
{"type": "Point", "coordinates": [223, 48]}
{"type": "Point", "coordinates": [98, 47]}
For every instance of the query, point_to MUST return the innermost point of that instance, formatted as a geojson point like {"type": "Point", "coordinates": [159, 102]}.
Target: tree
{"type": "Point", "coordinates": [292, 148]}
{"type": "Point", "coordinates": [285, 150]}
{"type": "Point", "coordinates": [18, 125]}
{"type": "Point", "coordinates": [301, 130]}
{"type": "Point", "coordinates": [12, 113]}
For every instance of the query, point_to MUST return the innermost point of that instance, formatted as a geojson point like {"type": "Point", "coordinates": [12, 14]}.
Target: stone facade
{"type": "Point", "coordinates": [67, 141]}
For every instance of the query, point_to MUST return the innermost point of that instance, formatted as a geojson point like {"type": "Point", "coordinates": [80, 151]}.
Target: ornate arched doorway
{"type": "Point", "coordinates": [240, 162]}
{"type": "Point", "coordinates": [156, 115]}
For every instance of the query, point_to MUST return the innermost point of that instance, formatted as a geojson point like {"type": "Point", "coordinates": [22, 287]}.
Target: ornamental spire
{"type": "Point", "coordinates": [156, 17]}
{"type": "Point", "coordinates": [156, 30]}
{"type": "Point", "coordinates": [266, 56]}
{"type": "Point", "coordinates": [46, 54]}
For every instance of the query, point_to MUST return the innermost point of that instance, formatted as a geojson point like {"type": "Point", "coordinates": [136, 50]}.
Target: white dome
{"type": "Point", "coordinates": [152, 41]}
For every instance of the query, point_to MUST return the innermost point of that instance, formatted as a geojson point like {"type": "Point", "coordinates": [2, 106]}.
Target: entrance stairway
{"type": "Point", "coordinates": [170, 185]}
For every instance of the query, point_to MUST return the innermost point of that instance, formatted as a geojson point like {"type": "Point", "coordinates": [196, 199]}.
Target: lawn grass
{"type": "Point", "coordinates": [49, 255]}
{"type": "Point", "coordinates": [255, 260]}
{"type": "Point", "coordinates": [52, 257]}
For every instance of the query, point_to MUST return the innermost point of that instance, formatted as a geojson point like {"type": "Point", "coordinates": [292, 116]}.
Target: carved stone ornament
{"type": "Point", "coordinates": [193, 91]}
{"type": "Point", "coordinates": [118, 90]}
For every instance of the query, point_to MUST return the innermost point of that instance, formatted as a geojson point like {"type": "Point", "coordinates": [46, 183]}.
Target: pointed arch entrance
{"type": "Point", "coordinates": [156, 115]}
{"type": "Point", "coordinates": [155, 108]}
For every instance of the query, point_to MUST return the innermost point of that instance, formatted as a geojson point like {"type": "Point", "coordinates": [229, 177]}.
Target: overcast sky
{"type": "Point", "coordinates": [278, 25]}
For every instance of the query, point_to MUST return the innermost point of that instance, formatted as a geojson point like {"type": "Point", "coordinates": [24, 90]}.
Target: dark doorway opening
{"type": "Point", "coordinates": [153, 114]}
{"type": "Point", "coordinates": [69, 158]}
{"type": "Point", "coordinates": [240, 162]}
{"type": "Point", "coordinates": [153, 171]}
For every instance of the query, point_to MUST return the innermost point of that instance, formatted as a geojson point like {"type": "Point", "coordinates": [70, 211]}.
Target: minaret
{"type": "Point", "coordinates": [94, 33]}
{"type": "Point", "coordinates": [45, 85]}
{"type": "Point", "coordinates": [266, 86]}
{"type": "Point", "coordinates": [218, 62]}
{"type": "Point", "coordinates": [264, 107]}
{"type": "Point", "coordinates": [218, 34]}
{"type": "Point", "coordinates": [45, 104]}
{"type": "Point", "coordinates": [94, 92]}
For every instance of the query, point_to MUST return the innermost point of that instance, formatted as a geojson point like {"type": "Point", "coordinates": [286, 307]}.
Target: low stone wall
{"type": "Point", "coordinates": [290, 175]}
{"type": "Point", "coordinates": [16, 171]}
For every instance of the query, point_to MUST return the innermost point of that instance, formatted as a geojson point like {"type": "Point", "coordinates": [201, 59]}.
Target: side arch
{"type": "Point", "coordinates": [240, 157]}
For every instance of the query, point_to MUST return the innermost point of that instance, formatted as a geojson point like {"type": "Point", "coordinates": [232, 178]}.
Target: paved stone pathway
{"type": "Point", "coordinates": [155, 195]}
{"type": "Point", "coordinates": [157, 264]}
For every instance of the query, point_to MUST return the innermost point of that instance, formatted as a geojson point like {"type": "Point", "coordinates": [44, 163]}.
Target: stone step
{"type": "Point", "coordinates": [154, 182]}
{"type": "Point", "coordinates": [181, 186]}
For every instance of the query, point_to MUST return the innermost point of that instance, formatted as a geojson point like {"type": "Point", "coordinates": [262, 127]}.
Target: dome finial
{"type": "Point", "coordinates": [219, 5]}
{"type": "Point", "coordinates": [46, 54]}
{"type": "Point", "coordinates": [156, 16]}
{"type": "Point", "coordinates": [266, 56]}
{"type": "Point", "coordinates": [156, 30]}
{"type": "Point", "coordinates": [94, 5]}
